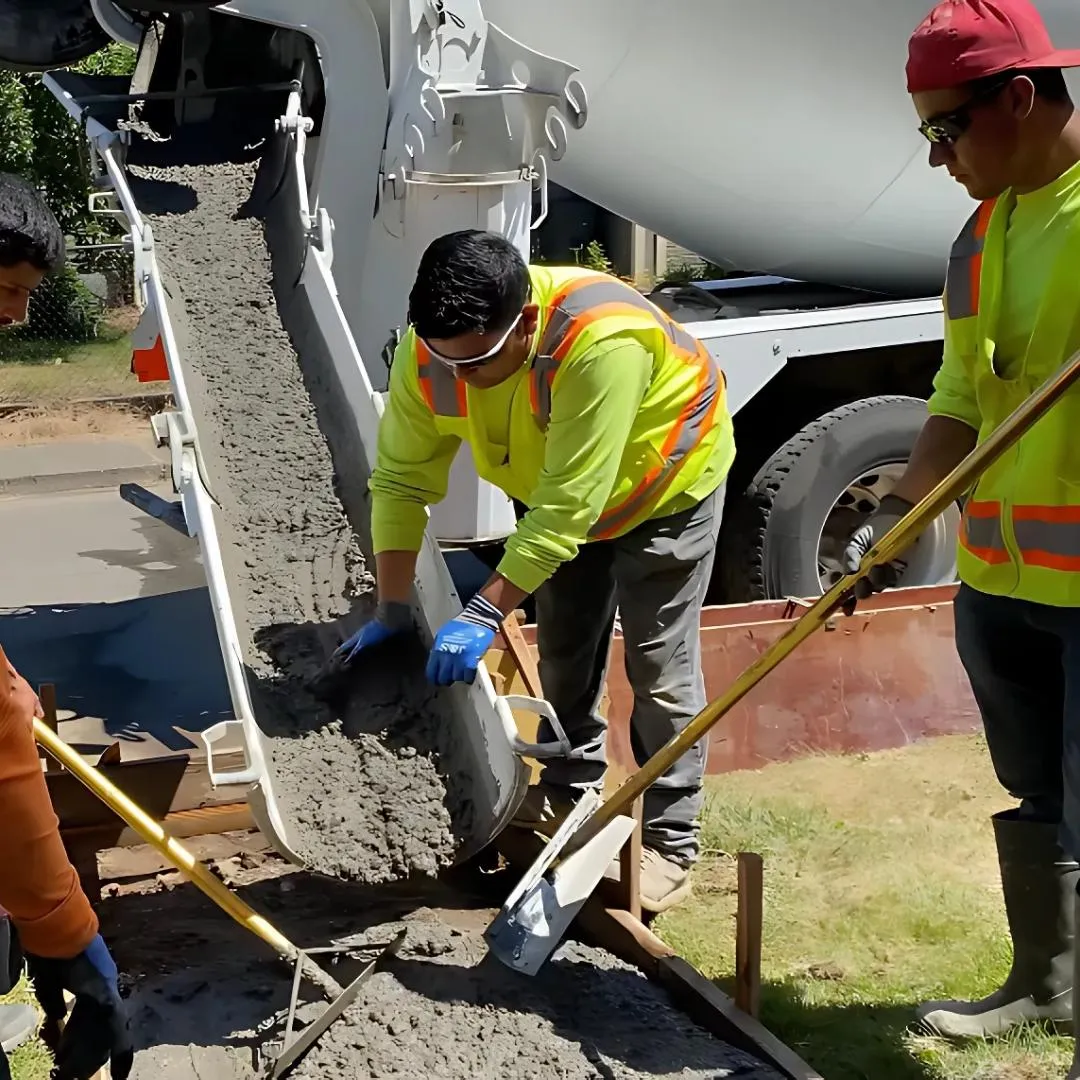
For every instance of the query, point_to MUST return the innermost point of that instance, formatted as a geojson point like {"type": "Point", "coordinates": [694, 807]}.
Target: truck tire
{"type": "Point", "coordinates": [811, 494]}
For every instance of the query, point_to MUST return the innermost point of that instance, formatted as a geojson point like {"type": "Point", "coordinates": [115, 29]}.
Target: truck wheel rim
{"type": "Point", "coordinates": [931, 560]}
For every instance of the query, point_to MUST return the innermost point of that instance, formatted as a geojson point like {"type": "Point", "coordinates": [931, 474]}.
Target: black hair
{"type": "Point", "coordinates": [1049, 83]}
{"type": "Point", "coordinates": [29, 232]}
{"type": "Point", "coordinates": [470, 281]}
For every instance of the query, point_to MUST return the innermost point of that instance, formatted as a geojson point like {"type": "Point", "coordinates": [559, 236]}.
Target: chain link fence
{"type": "Point", "coordinates": [75, 345]}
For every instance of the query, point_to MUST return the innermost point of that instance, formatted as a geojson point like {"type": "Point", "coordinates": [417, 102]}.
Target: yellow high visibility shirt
{"type": "Point", "coordinates": [1012, 319]}
{"type": "Point", "coordinates": [618, 416]}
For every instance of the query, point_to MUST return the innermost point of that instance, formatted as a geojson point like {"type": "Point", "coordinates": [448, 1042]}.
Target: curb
{"type": "Point", "coordinates": [56, 483]}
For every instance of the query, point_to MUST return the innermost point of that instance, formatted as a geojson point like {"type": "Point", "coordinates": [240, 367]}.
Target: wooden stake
{"type": "Point", "coordinates": [748, 931]}
{"type": "Point", "coordinates": [630, 868]}
{"type": "Point", "coordinates": [521, 654]}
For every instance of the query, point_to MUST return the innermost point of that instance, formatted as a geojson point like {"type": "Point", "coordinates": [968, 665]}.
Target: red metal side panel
{"type": "Point", "coordinates": [881, 678]}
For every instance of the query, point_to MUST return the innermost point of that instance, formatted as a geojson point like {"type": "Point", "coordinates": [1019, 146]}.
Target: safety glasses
{"type": "Point", "coordinates": [473, 362]}
{"type": "Point", "coordinates": [945, 128]}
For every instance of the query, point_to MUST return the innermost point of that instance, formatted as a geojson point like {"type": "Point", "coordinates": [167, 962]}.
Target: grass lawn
{"type": "Point", "coordinates": [32, 1060]}
{"type": "Point", "coordinates": [29, 371]}
{"type": "Point", "coordinates": [881, 891]}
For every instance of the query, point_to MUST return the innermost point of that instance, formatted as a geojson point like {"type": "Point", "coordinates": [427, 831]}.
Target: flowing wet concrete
{"type": "Point", "coordinates": [363, 788]}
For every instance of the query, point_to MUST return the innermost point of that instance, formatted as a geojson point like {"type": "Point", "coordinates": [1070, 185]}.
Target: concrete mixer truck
{"type": "Point", "coordinates": [794, 156]}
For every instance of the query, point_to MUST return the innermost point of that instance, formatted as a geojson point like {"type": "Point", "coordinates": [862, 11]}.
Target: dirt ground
{"type": "Point", "coordinates": [74, 422]}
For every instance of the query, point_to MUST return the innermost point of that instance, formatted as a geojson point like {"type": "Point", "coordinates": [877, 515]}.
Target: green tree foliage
{"type": "Point", "coordinates": [39, 140]}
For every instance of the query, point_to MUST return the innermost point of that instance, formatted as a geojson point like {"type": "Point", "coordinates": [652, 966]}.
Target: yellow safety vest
{"type": "Point", "coordinates": [579, 308]}
{"type": "Point", "coordinates": [1020, 530]}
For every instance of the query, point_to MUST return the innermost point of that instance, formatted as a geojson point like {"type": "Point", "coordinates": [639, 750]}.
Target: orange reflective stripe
{"type": "Point", "coordinates": [572, 310]}
{"type": "Point", "coordinates": [445, 395]}
{"type": "Point", "coordinates": [980, 531]}
{"type": "Point", "coordinates": [964, 274]}
{"type": "Point", "coordinates": [1048, 536]}
{"type": "Point", "coordinates": [577, 306]}
{"type": "Point", "coordinates": [694, 423]}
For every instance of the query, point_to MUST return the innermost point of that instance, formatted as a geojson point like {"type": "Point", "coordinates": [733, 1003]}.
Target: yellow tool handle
{"type": "Point", "coordinates": [153, 833]}
{"type": "Point", "coordinates": [898, 538]}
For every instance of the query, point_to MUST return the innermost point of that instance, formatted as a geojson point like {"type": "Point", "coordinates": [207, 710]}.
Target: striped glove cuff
{"type": "Point", "coordinates": [482, 612]}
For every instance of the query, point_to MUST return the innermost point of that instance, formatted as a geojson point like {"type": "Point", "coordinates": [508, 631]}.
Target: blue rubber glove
{"type": "Point", "coordinates": [97, 1031]}
{"type": "Point", "coordinates": [461, 643]}
{"type": "Point", "coordinates": [391, 619]}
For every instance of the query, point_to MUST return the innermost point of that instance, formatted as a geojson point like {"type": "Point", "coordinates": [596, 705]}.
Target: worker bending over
{"type": "Point", "coordinates": [609, 423]}
{"type": "Point", "coordinates": [40, 893]}
{"type": "Point", "coordinates": [987, 84]}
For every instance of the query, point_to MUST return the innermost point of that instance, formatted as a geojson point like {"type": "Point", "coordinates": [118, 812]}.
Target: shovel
{"type": "Point", "coordinates": [171, 848]}
{"type": "Point", "coordinates": [538, 912]}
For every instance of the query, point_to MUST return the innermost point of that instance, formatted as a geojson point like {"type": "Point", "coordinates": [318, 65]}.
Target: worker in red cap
{"type": "Point", "coordinates": [987, 84]}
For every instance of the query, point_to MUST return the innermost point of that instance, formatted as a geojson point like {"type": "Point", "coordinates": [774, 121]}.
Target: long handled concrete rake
{"type": "Point", "coordinates": [171, 848]}
{"type": "Point", "coordinates": [538, 912]}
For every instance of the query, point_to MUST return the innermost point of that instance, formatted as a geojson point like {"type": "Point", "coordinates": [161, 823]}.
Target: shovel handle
{"type": "Point", "coordinates": [898, 538]}
{"type": "Point", "coordinates": [153, 833]}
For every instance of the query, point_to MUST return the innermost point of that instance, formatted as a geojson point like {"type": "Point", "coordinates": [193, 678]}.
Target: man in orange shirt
{"type": "Point", "coordinates": [39, 889]}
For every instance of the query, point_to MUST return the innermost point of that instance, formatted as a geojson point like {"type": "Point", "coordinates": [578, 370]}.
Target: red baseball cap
{"type": "Point", "coordinates": [962, 40]}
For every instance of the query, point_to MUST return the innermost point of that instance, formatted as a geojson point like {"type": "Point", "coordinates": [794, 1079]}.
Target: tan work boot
{"type": "Point", "coordinates": [664, 882]}
{"type": "Point", "coordinates": [544, 808]}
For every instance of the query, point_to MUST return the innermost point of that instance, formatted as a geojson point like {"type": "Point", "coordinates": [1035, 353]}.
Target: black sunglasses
{"type": "Point", "coordinates": [945, 128]}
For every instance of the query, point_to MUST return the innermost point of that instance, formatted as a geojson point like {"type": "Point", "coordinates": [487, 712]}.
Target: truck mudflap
{"type": "Point", "coordinates": [494, 746]}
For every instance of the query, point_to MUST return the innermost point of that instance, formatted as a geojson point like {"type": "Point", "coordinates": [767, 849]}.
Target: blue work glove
{"type": "Point", "coordinates": [461, 643]}
{"type": "Point", "coordinates": [97, 1032]}
{"type": "Point", "coordinates": [391, 619]}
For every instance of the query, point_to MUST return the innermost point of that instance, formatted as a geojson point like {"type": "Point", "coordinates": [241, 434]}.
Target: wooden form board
{"type": "Point", "coordinates": [619, 932]}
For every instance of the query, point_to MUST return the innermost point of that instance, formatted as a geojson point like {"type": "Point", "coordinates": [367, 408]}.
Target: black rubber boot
{"type": "Point", "coordinates": [1039, 886]}
{"type": "Point", "coordinates": [1074, 1072]}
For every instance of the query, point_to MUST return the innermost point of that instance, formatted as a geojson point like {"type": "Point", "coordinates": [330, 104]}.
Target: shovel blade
{"type": "Point", "coordinates": [532, 922]}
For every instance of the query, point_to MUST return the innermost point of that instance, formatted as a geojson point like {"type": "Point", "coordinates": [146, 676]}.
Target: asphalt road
{"type": "Point", "coordinates": [111, 606]}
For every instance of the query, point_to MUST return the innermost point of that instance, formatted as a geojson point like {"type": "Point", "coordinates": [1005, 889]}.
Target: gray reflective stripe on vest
{"type": "Point", "coordinates": [960, 293]}
{"type": "Point", "coordinates": [983, 534]}
{"type": "Point", "coordinates": [577, 302]}
{"type": "Point", "coordinates": [1060, 538]}
{"type": "Point", "coordinates": [543, 371]}
{"type": "Point", "coordinates": [443, 387]}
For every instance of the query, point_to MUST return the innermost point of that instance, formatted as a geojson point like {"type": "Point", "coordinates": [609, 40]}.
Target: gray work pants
{"type": "Point", "coordinates": [656, 575]}
{"type": "Point", "coordinates": [1023, 661]}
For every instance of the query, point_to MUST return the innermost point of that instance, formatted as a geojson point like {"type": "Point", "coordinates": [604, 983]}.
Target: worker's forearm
{"type": "Point", "coordinates": [503, 593]}
{"type": "Point", "coordinates": [395, 572]}
{"type": "Point", "coordinates": [38, 885]}
{"type": "Point", "coordinates": [941, 446]}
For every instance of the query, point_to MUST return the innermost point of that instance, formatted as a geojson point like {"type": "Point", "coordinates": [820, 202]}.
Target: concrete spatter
{"type": "Point", "coordinates": [363, 791]}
